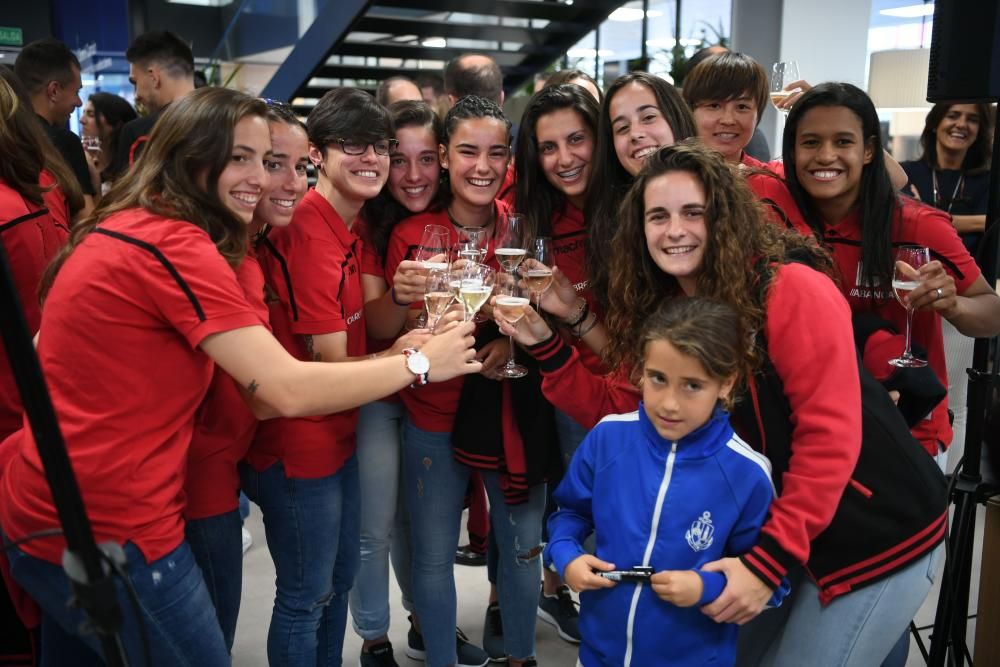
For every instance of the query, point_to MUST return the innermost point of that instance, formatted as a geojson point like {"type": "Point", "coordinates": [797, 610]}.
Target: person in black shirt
{"type": "Point", "coordinates": [161, 67]}
{"type": "Point", "coordinates": [952, 174]}
{"type": "Point", "coordinates": [50, 72]}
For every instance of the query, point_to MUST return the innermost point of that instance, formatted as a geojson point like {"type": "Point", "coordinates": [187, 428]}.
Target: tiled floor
{"type": "Point", "coordinates": [258, 595]}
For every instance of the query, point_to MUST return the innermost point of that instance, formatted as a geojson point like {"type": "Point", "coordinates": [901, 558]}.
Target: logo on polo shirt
{"type": "Point", "coordinates": [569, 247]}
{"type": "Point", "coordinates": [354, 318]}
{"type": "Point", "coordinates": [865, 290]}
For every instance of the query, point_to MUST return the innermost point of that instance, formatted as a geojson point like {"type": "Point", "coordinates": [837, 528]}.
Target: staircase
{"type": "Point", "coordinates": [360, 42]}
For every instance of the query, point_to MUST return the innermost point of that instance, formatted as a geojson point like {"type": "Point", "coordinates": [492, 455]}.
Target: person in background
{"type": "Point", "coordinates": [431, 87]}
{"type": "Point", "coordinates": [161, 67]}
{"type": "Point", "coordinates": [35, 214]}
{"type": "Point", "coordinates": [641, 113]}
{"type": "Point", "coordinates": [50, 73]}
{"type": "Point", "coordinates": [578, 77]}
{"type": "Point", "coordinates": [395, 89]}
{"type": "Point", "coordinates": [953, 170]}
{"type": "Point", "coordinates": [952, 174]}
{"type": "Point", "coordinates": [103, 117]}
{"type": "Point", "coordinates": [473, 74]}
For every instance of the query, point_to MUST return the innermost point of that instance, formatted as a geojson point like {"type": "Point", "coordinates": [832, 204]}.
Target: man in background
{"type": "Point", "coordinates": [396, 89]}
{"type": "Point", "coordinates": [161, 67]}
{"type": "Point", "coordinates": [50, 73]}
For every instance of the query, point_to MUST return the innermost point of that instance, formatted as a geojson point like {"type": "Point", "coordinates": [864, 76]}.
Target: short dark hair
{"type": "Point", "coordinates": [165, 49]}
{"type": "Point", "coordinates": [42, 61]}
{"type": "Point", "coordinates": [483, 80]}
{"type": "Point", "coordinates": [725, 77]}
{"type": "Point", "coordinates": [382, 91]}
{"type": "Point", "coordinates": [470, 107]}
{"type": "Point", "coordinates": [348, 113]}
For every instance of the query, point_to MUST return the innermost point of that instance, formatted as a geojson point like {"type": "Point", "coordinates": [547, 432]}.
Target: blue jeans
{"type": "Point", "coordinates": [312, 528]}
{"type": "Point", "coordinates": [859, 628]}
{"type": "Point", "coordinates": [384, 528]}
{"type": "Point", "coordinates": [217, 544]}
{"type": "Point", "coordinates": [435, 487]}
{"type": "Point", "coordinates": [176, 610]}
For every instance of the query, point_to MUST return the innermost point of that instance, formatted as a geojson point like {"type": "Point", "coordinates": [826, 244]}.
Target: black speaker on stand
{"type": "Point", "coordinates": [965, 67]}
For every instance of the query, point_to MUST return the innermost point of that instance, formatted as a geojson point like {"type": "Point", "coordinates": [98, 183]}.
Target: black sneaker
{"type": "Point", "coordinates": [378, 655]}
{"type": "Point", "coordinates": [560, 610]}
{"type": "Point", "coordinates": [465, 555]}
{"type": "Point", "coordinates": [493, 634]}
{"type": "Point", "coordinates": [468, 654]}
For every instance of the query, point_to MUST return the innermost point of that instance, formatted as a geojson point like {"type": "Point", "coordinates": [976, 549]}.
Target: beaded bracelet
{"type": "Point", "coordinates": [580, 316]}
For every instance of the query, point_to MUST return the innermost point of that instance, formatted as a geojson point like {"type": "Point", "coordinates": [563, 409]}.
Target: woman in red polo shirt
{"type": "Point", "coordinates": [225, 424]}
{"type": "Point", "coordinates": [37, 194]}
{"type": "Point", "coordinates": [437, 456]}
{"type": "Point", "coordinates": [307, 467]}
{"type": "Point", "coordinates": [143, 300]}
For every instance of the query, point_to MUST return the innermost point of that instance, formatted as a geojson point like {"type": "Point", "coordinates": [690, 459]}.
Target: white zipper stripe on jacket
{"type": "Point", "coordinates": [660, 496]}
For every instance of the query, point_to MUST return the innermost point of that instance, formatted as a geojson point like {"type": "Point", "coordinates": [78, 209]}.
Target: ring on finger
{"type": "Point", "coordinates": [939, 293]}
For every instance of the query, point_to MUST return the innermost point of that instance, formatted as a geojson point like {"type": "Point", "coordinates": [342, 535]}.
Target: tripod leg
{"type": "Point", "coordinates": [950, 597]}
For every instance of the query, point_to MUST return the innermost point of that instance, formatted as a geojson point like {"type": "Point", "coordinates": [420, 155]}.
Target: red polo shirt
{"type": "Point", "coordinates": [313, 266]}
{"type": "Point", "coordinates": [569, 247]}
{"type": "Point", "coordinates": [430, 407]}
{"type": "Point", "coordinates": [119, 347]}
{"type": "Point", "coordinates": [224, 425]}
{"type": "Point", "coordinates": [31, 235]}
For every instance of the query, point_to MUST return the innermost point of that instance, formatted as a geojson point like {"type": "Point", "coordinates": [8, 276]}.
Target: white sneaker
{"type": "Point", "coordinates": [247, 540]}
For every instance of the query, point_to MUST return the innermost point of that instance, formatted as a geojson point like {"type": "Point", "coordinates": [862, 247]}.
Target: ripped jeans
{"type": "Point", "coordinates": [435, 486]}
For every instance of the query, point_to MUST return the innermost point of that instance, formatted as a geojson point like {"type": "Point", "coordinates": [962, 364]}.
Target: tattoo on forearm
{"type": "Point", "coordinates": [252, 387]}
{"type": "Point", "coordinates": [310, 350]}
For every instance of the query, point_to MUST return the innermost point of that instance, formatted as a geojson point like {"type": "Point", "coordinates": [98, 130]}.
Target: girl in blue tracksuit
{"type": "Point", "coordinates": [670, 487]}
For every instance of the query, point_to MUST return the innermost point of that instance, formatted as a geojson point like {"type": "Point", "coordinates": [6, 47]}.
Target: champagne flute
{"type": "Point", "coordinates": [433, 243]}
{"type": "Point", "coordinates": [437, 295]}
{"type": "Point", "coordinates": [472, 244]}
{"type": "Point", "coordinates": [510, 249]}
{"type": "Point", "coordinates": [510, 304]}
{"type": "Point", "coordinates": [783, 74]}
{"type": "Point", "coordinates": [538, 273]}
{"type": "Point", "coordinates": [902, 284]}
{"type": "Point", "coordinates": [475, 288]}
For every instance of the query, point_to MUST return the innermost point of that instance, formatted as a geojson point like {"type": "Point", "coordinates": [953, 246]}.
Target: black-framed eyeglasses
{"type": "Point", "coordinates": [355, 147]}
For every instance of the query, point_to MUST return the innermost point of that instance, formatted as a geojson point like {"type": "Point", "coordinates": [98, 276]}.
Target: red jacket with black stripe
{"type": "Point", "coordinates": [811, 349]}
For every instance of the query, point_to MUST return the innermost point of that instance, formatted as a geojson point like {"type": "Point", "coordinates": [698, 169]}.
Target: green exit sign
{"type": "Point", "coordinates": [11, 36]}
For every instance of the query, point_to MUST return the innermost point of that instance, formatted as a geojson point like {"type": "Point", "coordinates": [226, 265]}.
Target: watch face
{"type": "Point", "coordinates": [418, 363]}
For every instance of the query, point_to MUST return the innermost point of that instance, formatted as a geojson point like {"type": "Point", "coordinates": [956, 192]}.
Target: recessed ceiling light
{"type": "Point", "coordinates": [909, 11]}
{"type": "Point", "coordinates": [632, 14]}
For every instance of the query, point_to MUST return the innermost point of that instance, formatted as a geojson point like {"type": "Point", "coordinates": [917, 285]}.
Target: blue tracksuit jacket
{"type": "Point", "coordinates": [669, 505]}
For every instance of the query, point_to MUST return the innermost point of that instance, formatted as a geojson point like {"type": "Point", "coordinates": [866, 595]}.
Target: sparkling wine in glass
{"type": "Point", "coordinates": [782, 75]}
{"type": "Point", "coordinates": [510, 250]}
{"type": "Point", "coordinates": [432, 252]}
{"type": "Point", "coordinates": [475, 288]}
{"type": "Point", "coordinates": [472, 244]}
{"type": "Point", "coordinates": [510, 304]}
{"type": "Point", "coordinates": [537, 272]}
{"type": "Point", "coordinates": [909, 258]}
{"type": "Point", "coordinates": [437, 295]}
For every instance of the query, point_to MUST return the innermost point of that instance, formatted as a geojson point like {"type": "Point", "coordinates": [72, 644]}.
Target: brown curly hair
{"type": "Point", "coordinates": [740, 245]}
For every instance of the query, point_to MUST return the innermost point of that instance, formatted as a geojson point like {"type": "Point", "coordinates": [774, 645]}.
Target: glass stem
{"type": "Point", "coordinates": [909, 326]}
{"type": "Point", "coordinates": [510, 357]}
